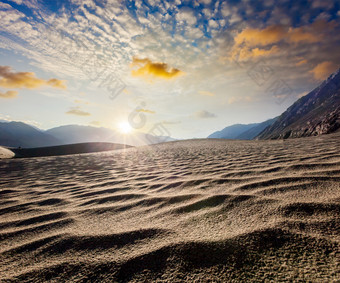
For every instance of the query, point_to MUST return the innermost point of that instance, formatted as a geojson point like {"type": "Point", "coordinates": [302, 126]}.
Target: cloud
{"type": "Point", "coordinates": [246, 52]}
{"type": "Point", "coordinates": [206, 2]}
{"type": "Point", "coordinates": [235, 99]}
{"type": "Point", "coordinates": [96, 123]}
{"type": "Point", "coordinates": [155, 69]}
{"type": "Point", "coordinates": [323, 70]}
{"type": "Point", "coordinates": [57, 83]}
{"type": "Point", "coordinates": [206, 93]}
{"type": "Point", "coordinates": [8, 94]}
{"type": "Point", "coordinates": [165, 122]}
{"type": "Point", "coordinates": [9, 79]}
{"type": "Point", "coordinates": [187, 15]}
{"type": "Point", "coordinates": [301, 62]}
{"type": "Point", "coordinates": [258, 37]}
{"type": "Point", "coordinates": [77, 111]}
{"type": "Point", "coordinates": [302, 34]}
{"type": "Point", "coordinates": [146, 111]}
{"type": "Point", "coordinates": [19, 2]}
{"type": "Point", "coordinates": [204, 114]}
{"type": "Point", "coordinates": [78, 101]}
{"type": "Point", "coordinates": [252, 42]}
{"type": "Point", "coordinates": [328, 4]}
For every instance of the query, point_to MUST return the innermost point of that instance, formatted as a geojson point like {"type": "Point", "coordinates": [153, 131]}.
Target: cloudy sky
{"type": "Point", "coordinates": [191, 67]}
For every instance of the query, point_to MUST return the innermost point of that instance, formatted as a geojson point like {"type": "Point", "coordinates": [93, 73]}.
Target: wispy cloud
{"type": "Point", "coordinates": [203, 114]}
{"type": "Point", "coordinates": [301, 62]}
{"type": "Point", "coordinates": [165, 122]}
{"type": "Point", "coordinates": [78, 112]}
{"type": "Point", "coordinates": [8, 94]}
{"type": "Point", "coordinates": [235, 99]}
{"type": "Point", "coordinates": [78, 101]}
{"type": "Point", "coordinates": [96, 123]}
{"type": "Point", "coordinates": [206, 93]}
{"type": "Point", "coordinates": [146, 111]}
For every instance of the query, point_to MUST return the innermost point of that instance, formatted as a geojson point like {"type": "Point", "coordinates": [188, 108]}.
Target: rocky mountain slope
{"type": "Point", "coordinates": [314, 114]}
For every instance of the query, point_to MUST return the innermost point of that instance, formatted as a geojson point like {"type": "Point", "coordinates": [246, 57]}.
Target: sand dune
{"type": "Point", "coordinates": [5, 153]}
{"type": "Point", "coordinates": [67, 149]}
{"type": "Point", "coordinates": [200, 210]}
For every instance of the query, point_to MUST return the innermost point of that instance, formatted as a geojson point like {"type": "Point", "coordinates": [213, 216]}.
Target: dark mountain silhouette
{"type": "Point", "coordinates": [232, 132]}
{"type": "Point", "coordinates": [256, 130]}
{"type": "Point", "coordinates": [80, 134]}
{"type": "Point", "coordinates": [314, 114]}
{"type": "Point", "coordinates": [242, 131]}
{"type": "Point", "coordinates": [70, 134]}
{"type": "Point", "coordinates": [18, 134]}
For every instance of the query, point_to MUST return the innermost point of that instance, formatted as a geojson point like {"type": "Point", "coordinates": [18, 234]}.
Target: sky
{"type": "Point", "coordinates": [186, 68]}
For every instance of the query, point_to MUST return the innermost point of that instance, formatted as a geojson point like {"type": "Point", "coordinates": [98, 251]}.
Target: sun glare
{"type": "Point", "coordinates": [124, 127]}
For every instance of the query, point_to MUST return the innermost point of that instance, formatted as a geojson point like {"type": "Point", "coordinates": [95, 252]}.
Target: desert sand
{"type": "Point", "coordinates": [5, 153]}
{"type": "Point", "coordinates": [201, 210]}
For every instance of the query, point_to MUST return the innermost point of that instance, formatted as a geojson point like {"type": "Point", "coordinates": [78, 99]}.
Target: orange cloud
{"type": "Point", "coordinates": [77, 111]}
{"type": "Point", "coordinates": [206, 93]}
{"type": "Point", "coordinates": [323, 70]}
{"type": "Point", "coordinates": [57, 83]}
{"type": "Point", "coordinates": [235, 99]}
{"type": "Point", "coordinates": [8, 94]}
{"type": "Point", "coordinates": [155, 69]}
{"type": "Point", "coordinates": [301, 34]}
{"type": "Point", "coordinates": [9, 79]}
{"type": "Point", "coordinates": [252, 43]}
{"type": "Point", "coordinates": [245, 52]}
{"type": "Point", "coordinates": [146, 111]}
{"type": "Point", "coordinates": [257, 37]}
{"type": "Point", "coordinates": [301, 62]}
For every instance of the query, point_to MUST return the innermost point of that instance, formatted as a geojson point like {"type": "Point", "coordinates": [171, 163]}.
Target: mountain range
{"type": "Point", "coordinates": [18, 134]}
{"type": "Point", "coordinates": [314, 114]}
{"type": "Point", "coordinates": [242, 131]}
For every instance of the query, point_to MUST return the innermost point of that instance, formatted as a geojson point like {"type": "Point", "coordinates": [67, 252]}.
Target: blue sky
{"type": "Point", "coordinates": [192, 66]}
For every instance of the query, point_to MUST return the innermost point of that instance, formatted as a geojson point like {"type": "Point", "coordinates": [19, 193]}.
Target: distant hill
{"type": "Point", "coordinates": [314, 114]}
{"type": "Point", "coordinates": [232, 132]}
{"type": "Point", "coordinates": [70, 134]}
{"type": "Point", "coordinates": [15, 134]}
{"type": "Point", "coordinates": [242, 131]}
{"type": "Point", "coordinates": [18, 134]}
{"type": "Point", "coordinates": [256, 130]}
{"type": "Point", "coordinates": [77, 134]}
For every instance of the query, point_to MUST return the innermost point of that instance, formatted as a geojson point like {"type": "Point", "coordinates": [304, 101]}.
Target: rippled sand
{"type": "Point", "coordinates": [190, 210]}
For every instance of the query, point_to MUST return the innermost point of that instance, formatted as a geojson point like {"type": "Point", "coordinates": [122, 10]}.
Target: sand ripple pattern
{"type": "Point", "coordinates": [243, 211]}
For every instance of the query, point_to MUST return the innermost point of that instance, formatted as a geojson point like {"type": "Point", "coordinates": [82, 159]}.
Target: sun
{"type": "Point", "coordinates": [124, 128]}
